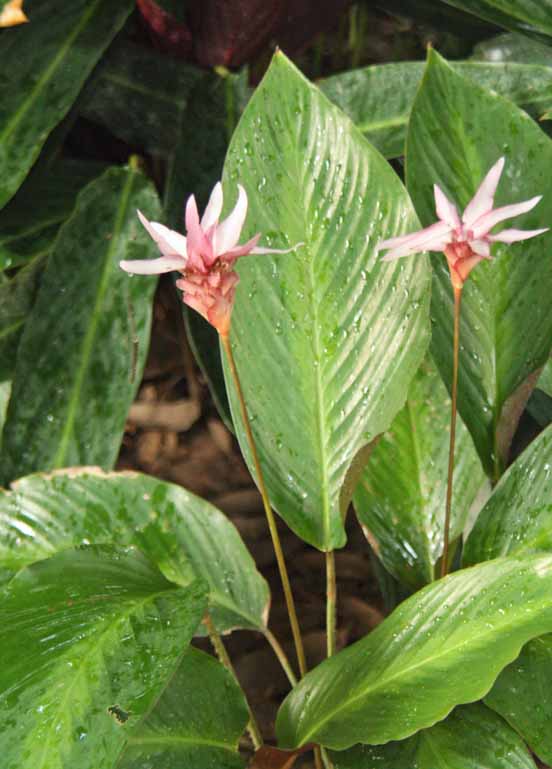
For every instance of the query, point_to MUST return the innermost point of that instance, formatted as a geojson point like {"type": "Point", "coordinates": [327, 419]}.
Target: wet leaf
{"type": "Point", "coordinates": [326, 338]}
{"type": "Point", "coordinates": [87, 332]}
{"type": "Point", "coordinates": [457, 131]}
{"type": "Point", "coordinates": [463, 629]}
{"type": "Point", "coordinates": [400, 499]}
{"type": "Point", "coordinates": [16, 300]}
{"type": "Point", "coordinates": [184, 535]}
{"type": "Point", "coordinates": [103, 632]}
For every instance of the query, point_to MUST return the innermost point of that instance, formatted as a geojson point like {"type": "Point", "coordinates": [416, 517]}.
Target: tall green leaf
{"type": "Point", "coordinates": [522, 694]}
{"type": "Point", "coordinates": [400, 499]}
{"type": "Point", "coordinates": [102, 632]}
{"type": "Point", "coordinates": [517, 518]}
{"type": "Point", "coordinates": [16, 300]}
{"type": "Point", "coordinates": [462, 630]}
{"type": "Point", "coordinates": [169, 737]}
{"type": "Point", "coordinates": [326, 338]}
{"type": "Point", "coordinates": [181, 533]}
{"type": "Point", "coordinates": [457, 131]}
{"type": "Point", "coordinates": [529, 16]}
{"type": "Point", "coordinates": [470, 738]}
{"type": "Point", "coordinates": [85, 341]}
{"type": "Point", "coordinates": [47, 63]}
{"type": "Point", "coordinates": [379, 98]}
{"type": "Point", "coordinates": [545, 380]}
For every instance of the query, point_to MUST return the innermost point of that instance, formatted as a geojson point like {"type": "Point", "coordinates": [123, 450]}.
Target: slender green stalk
{"type": "Point", "coordinates": [331, 595]}
{"type": "Point", "coordinates": [282, 657]}
{"type": "Point", "coordinates": [290, 603]}
{"type": "Point", "coordinates": [448, 508]}
{"type": "Point", "coordinates": [222, 654]}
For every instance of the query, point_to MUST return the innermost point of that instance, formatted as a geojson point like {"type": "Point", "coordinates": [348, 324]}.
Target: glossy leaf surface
{"type": "Point", "coordinates": [457, 132]}
{"type": "Point", "coordinates": [545, 380]}
{"type": "Point", "coordinates": [379, 98]}
{"type": "Point", "coordinates": [54, 54]}
{"type": "Point", "coordinates": [326, 338]}
{"type": "Point", "coordinates": [517, 518]}
{"type": "Point", "coordinates": [182, 534]}
{"type": "Point", "coordinates": [470, 738]}
{"type": "Point", "coordinates": [17, 295]}
{"type": "Point", "coordinates": [103, 631]}
{"type": "Point", "coordinates": [196, 724]}
{"type": "Point", "coordinates": [462, 630]}
{"type": "Point", "coordinates": [523, 15]}
{"type": "Point", "coordinates": [78, 363]}
{"type": "Point", "coordinates": [400, 499]}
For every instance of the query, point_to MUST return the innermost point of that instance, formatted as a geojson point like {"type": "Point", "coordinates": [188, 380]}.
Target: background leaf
{"type": "Point", "coordinates": [457, 131]}
{"type": "Point", "coordinates": [78, 366]}
{"type": "Point", "coordinates": [47, 63]}
{"type": "Point", "coordinates": [181, 533]}
{"type": "Point", "coordinates": [463, 629]}
{"type": "Point", "coordinates": [103, 631]}
{"type": "Point", "coordinates": [326, 338]}
{"type": "Point", "coordinates": [400, 499]}
{"type": "Point", "coordinates": [470, 738]}
{"type": "Point", "coordinates": [197, 722]}
{"type": "Point", "coordinates": [523, 15]}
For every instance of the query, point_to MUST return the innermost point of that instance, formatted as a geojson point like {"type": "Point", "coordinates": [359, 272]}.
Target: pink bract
{"type": "Point", "coordinates": [465, 241]}
{"type": "Point", "coordinates": [205, 256]}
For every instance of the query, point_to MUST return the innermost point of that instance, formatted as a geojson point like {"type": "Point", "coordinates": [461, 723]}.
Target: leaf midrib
{"type": "Point", "coordinates": [178, 739]}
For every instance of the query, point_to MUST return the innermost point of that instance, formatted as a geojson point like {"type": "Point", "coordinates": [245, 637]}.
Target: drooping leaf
{"type": "Point", "coordinates": [545, 379]}
{"type": "Point", "coordinates": [513, 47]}
{"type": "Point", "coordinates": [470, 738]}
{"type": "Point", "coordinates": [517, 518]}
{"type": "Point", "coordinates": [181, 533]}
{"type": "Point", "coordinates": [326, 338]}
{"type": "Point", "coordinates": [102, 632]}
{"type": "Point", "coordinates": [30, 222]}
{"type": "Point", "coordinates": [16, 300]}
{"type": "Point", "coordinates": [197, 722]}
{"type": "Point", "coordinates": [528, 16]}
{"type": "Point", "coordinates": [457, 132]}
{"type": "Point", "coordinates": [378, 99]}
{"type": "Point", "coordinates": [462, 630]}
{"type": "Point", "coordinates": [47, 63]}
{"type": "Point", "coordinates": [400, 499]}
{"type": "Point", "coordinates": [85, 341]}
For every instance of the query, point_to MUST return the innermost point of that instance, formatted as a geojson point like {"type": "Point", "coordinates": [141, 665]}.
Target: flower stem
{"type": "Point", "coordinates": [222, 654]}
{"type": "Point", "coordinates": [456, 346]}
{"type": "Point", "coordinates": [268, 510]}
{"type": "Point", "coordinates": [331, 595]}
{"type": "Point", "coordinates": [281, 655]}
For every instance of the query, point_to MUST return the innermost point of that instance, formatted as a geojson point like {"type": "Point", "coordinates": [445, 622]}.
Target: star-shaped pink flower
{"type": "Point", "coordinates": [465, 241]}
{"type": "Point", "coordinates": [205, 256]}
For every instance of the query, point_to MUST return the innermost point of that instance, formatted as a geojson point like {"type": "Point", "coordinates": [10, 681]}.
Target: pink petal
{"type": "Point", "coordinates": [446, 211]}
{"type": "Point", "coordinates": [168, 241]}
{"type": "Point", "coordinates": [483, 200]}
{"type": "Point", "coordinates": [432, 238]}
{"type": "Point", "coordinates": [228, 232]}
{"type": "Point", "coordinates": [243, 250]}
{"type": "Point", "coordinates": [199, 246]}
{"type": "Point", "coordinates": [481, 248]}
{"type": "Point", "coordinates": [214, 207]}
{"type": "Point", "coordinates": [511, 236]}
{"type": "Point", "coordinates": [154, 266]}
{"type": "Point", "coordinates": [482, 226]}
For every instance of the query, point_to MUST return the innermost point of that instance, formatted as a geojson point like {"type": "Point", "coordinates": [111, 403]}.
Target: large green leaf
{"type": "Point", "coordinates": [85, 341]}
{"type": "Point", "coordinates": [545, 380]}
{"type": "Point", "coordinates": [513, 47]}
{"type": "Point", "coordinates": [442, 647]}
{"type": "Point", "coordinates": [180, 532]}
{"type": "Point", "coordinates": [517, 518]}
{"type": "Point", "coordinates": [523, 15]}
{"type": "Point", "coordinates": [379, 98]}
{"type": "Point", "coordinates": [472, 737]}
{"type": "Point", "coordinates": [47, 63]}
{"type": "Point", "coordinates": [16, 300]}
{"type": "Point", "coordinates": [522, 694]}
{"type": "Point", "coordinates": [400, 499]}
{"type": "Point", "coordinates": [30, 222]}
{"type": "Point", "coordinates": [326, 338]}
{"type": "Point", "coordinates": [457, 131]}
{"type": "Point", "coordinates": [170, 738]}
{"type": "Point", "coordinates": [102, 632]}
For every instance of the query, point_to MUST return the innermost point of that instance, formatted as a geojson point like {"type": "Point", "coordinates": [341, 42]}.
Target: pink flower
{"type": "Point", "coordinates": [466, 241]}
{"type": "Point", "coordinates": [205, 256]}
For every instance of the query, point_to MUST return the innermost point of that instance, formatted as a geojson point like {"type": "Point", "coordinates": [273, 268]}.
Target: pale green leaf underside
{"type": "Point", "coordinates": [184, 535]}
{"type": "Point", "coordinates": [328, 337]}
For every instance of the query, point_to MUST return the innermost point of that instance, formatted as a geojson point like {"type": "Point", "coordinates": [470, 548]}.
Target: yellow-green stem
{"type": "Point", "coordinates": [331, 595]}
{"type": "Point", "coordinates": [282, 657]}
{"type": "Point", "coordinates": [290, 603]}
{"type": "Point", "coordinates": [448, 507]}
{"type": "Point", "coordinates": [222, 654]}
